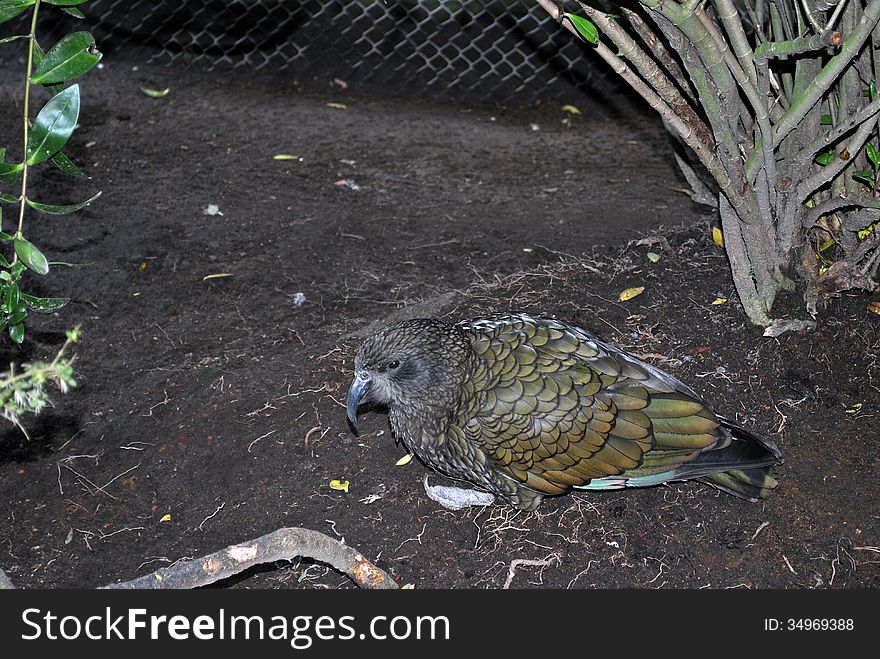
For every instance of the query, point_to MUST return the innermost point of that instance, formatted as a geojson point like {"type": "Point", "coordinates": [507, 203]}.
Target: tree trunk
{"type": "Point", "coordinates": [758, 271]}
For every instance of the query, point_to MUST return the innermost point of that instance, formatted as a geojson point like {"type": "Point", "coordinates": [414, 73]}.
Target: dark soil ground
{"type": "Point", "coordinates": [209, 411]}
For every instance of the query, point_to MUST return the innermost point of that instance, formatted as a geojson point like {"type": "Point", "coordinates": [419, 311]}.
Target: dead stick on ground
{"type": "Point", "coordinates": [519, 562]}
{"type": "Point", "coordinates": [283, 544]}
{"type": "Point", "coordinates": [5, 583]}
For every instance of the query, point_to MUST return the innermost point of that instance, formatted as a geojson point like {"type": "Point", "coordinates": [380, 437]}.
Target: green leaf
{"type": "Point", "coordinates": [64, 3]}
{"type": "Point", "coordinates": [51, 209]}
{"type": "Point", "coordinates": [66, 165]}
{"type": "Point", "coordinates": [584, 27]}
{"type": "Point", "coordinates": [826, 245]}
{"type": "Point", "coordinates": [5, 237]}
{"type": "Point", "coordinates": [53, 126]}
{"type": "Point", "coordinates": [16, 333]}
{"type": "Point", "coordinates": [71, 57]}
{"type": "Point", "coordinates": [873, 156]}
{"type": "Point", "coordinates": [6, 198]}
{"type": "Point", "coordinates": [864, 176]}
{"type": "Point", "coordinates": [18, 315]}
{"type": "Point", "coordinates": [76, 13]}
{"type": "Point", "coordinates": [12, 296]}
{"type": "Point", "coordinates": [12, 8]}
{"type": "Point", "coordinates": [43, 304]}
{"type": "Point", "coordinates": [825, 158]}
{"type": "Point", "coordinates": [9, 172]}
{"type": "Point", "coordinates": [825, 120]}
{"type": "Point", "coordinates": [31, 256]}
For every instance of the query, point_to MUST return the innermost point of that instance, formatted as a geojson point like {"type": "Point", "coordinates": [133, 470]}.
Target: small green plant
{"type": "Point", "coordinates": [25, 392]}
{"type": "Point", "coordinates": [869, 176]}
{"type": "Point", "coordinates": [43, 138]}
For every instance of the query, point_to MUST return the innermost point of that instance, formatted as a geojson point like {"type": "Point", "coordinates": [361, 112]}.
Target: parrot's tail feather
{"type": "Point", "coordinates": [740, 464]}
{"type": "Point", "coordinates": [753, 458]}
{"type": "Point", "coordinates": [752, 484]}
{"type": "Point", "coordinates": [760, 448]}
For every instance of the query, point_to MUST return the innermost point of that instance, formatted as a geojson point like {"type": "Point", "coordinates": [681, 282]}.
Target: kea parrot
{"type": "Point", "coordinates": [525, 407]}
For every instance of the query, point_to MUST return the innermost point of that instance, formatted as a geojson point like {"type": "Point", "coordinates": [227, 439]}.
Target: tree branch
{"type": "Point", "coordinates": [837, 11]}
{"type": "Point", "coordinates": [835, 204]}
{"type": "Point", "coordinates": [716, 87]}
{"type": "Point", "coordinates": [806, 155]}
{"type": "Point", "coordinates": [280, 545]}
{"type": "Point", "coordinates": [651, 73]}
{"type": "Point", "coordinates": [685, 132]}
{"type": "Point", "coordinates": [730, 19]}
{"type": "Point", "coordinates": [659, 50]}
{"type": "Point", "coordinates": [777, 49]}
{"type": "Point", "coordinates": [815, 181]}
{"type": "Point", "coordinates": [829, 73]}
{"type": "Point", "coordinates": [764, 188]}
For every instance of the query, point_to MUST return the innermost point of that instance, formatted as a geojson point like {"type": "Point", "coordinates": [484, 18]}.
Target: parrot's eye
{"type": "Point", "coordinates": [393, 365]}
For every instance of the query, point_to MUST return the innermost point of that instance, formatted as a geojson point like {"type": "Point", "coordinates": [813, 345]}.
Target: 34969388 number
{"type": "Point", "coordinates": [809, 624]}
{"type": "Point", "coordinates": [820, 624]}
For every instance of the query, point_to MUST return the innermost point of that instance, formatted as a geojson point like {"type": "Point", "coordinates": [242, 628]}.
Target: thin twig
{"type": "Point", "coordinates": [519, 562]}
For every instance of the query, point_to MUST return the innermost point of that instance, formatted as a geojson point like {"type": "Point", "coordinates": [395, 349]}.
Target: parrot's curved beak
{"type": "Point", "coordinates": [357, 394]}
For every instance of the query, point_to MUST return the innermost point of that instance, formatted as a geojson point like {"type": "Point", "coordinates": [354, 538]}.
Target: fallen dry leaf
{"type": "Point", "coordinates": [630, 293]}
{"type": "Point", "coordinates": [155, 93]}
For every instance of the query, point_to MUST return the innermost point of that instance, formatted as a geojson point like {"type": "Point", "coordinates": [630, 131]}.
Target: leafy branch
{"type": "Point", "coordinates": [42, 140]}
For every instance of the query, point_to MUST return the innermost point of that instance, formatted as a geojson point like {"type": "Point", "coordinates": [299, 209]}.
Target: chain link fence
{"type": "Point", "coordinates": [493, 49]}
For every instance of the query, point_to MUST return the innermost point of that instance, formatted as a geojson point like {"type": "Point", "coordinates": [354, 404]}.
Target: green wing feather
{"type": "Point", "coordinates": [555, 409]}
